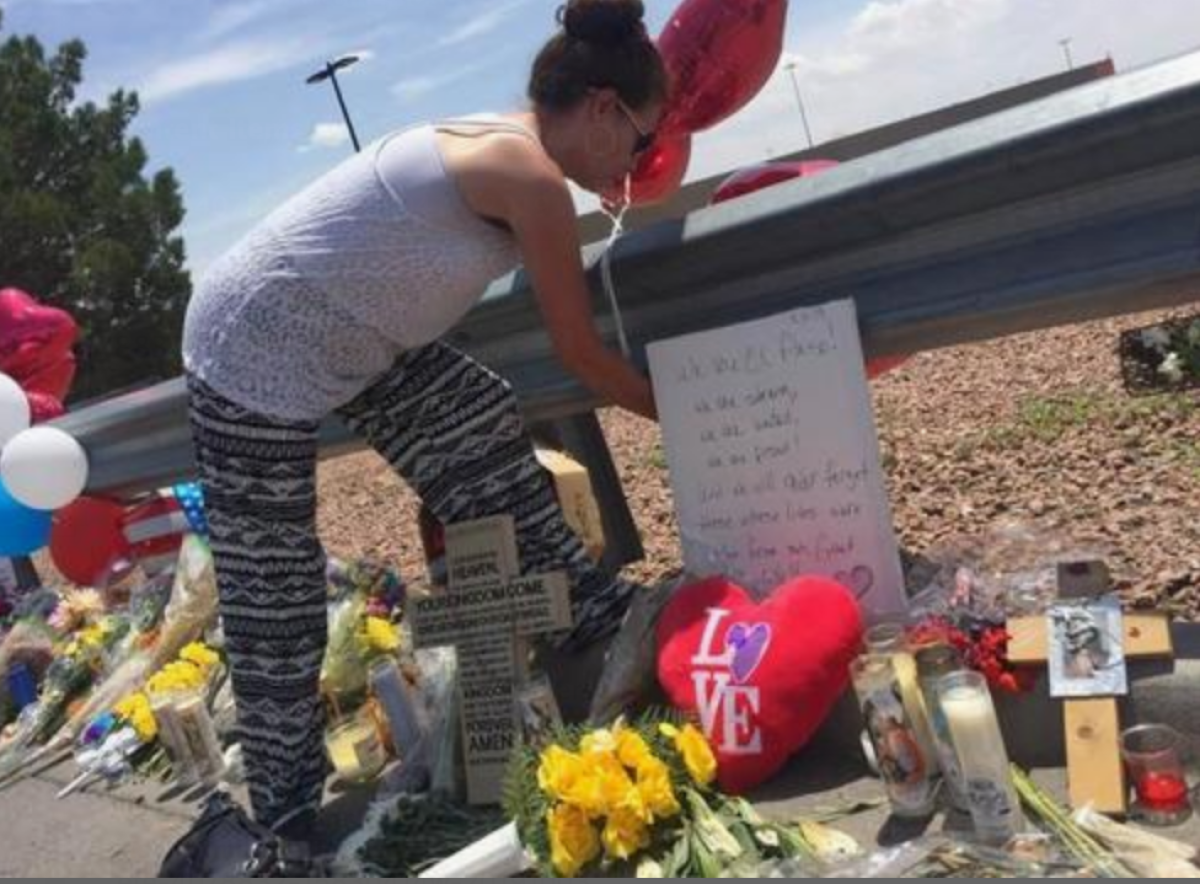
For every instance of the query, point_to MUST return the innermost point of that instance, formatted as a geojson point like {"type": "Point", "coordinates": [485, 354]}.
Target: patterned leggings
{"type": "Point", "coordinates": [452, 429]}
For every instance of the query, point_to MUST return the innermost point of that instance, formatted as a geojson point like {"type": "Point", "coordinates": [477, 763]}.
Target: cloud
{"type": "Point", "coordinates": [233, 16]}
{"type": "Point", "coordinates": [326, 135]}
{"type": "Point", "coordinates": [482, 24]}
{"type": "Point", "coordinates": [897, 58]}
{"type": "Point", "coordinates": [890, 25]}
{"type": "Point", "coordinates": [418, 87]}
{"type": "Point", "coordinates": [231, 63]}
{"type": "Point", "coordinates": [413, 88]}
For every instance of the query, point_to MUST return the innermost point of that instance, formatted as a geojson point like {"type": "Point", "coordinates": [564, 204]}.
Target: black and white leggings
{"type": "Point", "coordinates": [452, 429]}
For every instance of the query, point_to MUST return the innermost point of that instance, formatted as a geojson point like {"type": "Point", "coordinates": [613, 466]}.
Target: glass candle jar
{"type": "Point", "coordinates": [1153, 755]}
{"type": "Point", "coordinates": [934, 662]}
{"type": "Point", "coordinates": [966, 703]}
{"type": "Point", "coordinates": [903, 764]}
{"type": "Point", "coordinates": [355, 749]}
{"type": "Point", "coordinates": [890, 638]}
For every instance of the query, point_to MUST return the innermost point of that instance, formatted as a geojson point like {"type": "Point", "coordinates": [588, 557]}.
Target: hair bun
{"type": "Point", "coordinates": [603, 22]}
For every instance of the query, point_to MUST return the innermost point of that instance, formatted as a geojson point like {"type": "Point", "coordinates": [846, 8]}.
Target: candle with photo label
{"type": "Point", "coordinates": [891, 639]}
{"type": "Point", "coordinates": [903, 765]}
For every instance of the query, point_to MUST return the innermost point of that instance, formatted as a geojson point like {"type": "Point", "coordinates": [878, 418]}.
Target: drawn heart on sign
{"type": "Point", "coordinates": [749, 645]}
{"type": "Point", "coordinates": [858, 580]}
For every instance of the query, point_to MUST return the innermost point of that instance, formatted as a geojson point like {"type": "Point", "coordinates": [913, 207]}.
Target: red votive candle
{"type": "Point", "coordinates": [1162, 792]}
{"type": "Point", "coordinates": [1154, 756]}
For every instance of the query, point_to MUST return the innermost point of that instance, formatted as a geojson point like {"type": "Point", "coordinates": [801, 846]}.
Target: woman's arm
{"type": "Point", "coordinates": [538, 208]}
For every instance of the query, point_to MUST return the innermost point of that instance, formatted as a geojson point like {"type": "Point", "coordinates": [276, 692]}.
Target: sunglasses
{"type": "Point", "coordinates": [645, 138]}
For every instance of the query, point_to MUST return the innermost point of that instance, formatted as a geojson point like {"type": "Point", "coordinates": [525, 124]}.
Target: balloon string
{"type": "Point", "coordinates": [606, 275]}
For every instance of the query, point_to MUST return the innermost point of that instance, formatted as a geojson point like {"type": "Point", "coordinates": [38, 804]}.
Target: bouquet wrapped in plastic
{"type": "Point", "coordinates": [633, 799]}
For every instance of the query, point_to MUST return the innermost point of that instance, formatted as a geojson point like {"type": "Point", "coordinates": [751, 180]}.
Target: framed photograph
{"type": "Point", "coordinates": [1087, 649]}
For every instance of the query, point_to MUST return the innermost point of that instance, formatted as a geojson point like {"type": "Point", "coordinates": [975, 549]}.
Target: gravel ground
{"type": "Point", "coordinates": [1034, 430]}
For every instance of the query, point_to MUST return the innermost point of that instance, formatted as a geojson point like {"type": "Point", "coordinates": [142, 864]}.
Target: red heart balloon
{"type": "Point", "coordinates": [760, 678]}
{"type": "Point", "coordinates": [35, 350]}
{"type": "Point", "coordinates": [719, 54]}
{"type": "Point", "coordinates": [658, 174]}
{"type": "Point", "coordinates": [43, 407]}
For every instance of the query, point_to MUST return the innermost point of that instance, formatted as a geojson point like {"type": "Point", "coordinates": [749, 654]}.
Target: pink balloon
{"type": "Point", "coordinates": [719, 53]}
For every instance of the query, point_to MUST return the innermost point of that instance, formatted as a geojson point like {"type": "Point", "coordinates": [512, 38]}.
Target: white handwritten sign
{"type": "Point", "coordinates": [773, 454]}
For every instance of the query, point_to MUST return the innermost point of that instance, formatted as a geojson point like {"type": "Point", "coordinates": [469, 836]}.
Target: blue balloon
{"type": "Point", "coordinates": [22, 530]}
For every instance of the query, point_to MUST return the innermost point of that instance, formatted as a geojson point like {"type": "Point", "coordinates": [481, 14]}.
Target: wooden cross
{"type": "Point", "coordinates": [488, 613]}
{"type": "Point", "coordinates": [1095, 771]}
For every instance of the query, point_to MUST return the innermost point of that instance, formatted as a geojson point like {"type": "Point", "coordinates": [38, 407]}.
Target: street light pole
{"type": "Point", "coordinates": [1066, 45]}
{"type": "Point", "coordinates": [791, 69]}
{"type": "Point", "coordinates": [329, 72]}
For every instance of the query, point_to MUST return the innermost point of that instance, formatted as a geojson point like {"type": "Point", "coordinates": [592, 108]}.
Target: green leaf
{"type": "Point", "coordinates": [677, 859]}
{"type": "Point", "coordinates": [710, 832]}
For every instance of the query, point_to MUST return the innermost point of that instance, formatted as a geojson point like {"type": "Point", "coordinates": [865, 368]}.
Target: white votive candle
{"type": "Point", "coordinates": [967, 705]}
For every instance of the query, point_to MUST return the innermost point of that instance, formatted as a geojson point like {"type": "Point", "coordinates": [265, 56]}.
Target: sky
{"type": "Point", "coordinates": [225, 103]}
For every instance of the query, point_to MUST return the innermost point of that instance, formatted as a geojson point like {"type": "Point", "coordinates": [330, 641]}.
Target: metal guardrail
{"type": "Point", "coordinates": [1080, 206]}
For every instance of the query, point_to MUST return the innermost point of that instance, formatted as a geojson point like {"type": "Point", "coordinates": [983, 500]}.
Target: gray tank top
{"type": "Point", "coordinates": [380, 255]}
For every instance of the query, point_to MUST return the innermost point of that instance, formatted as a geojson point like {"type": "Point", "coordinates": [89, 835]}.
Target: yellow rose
{"type": "Point", "coordinates": [178, 676]}
{"type": "Point", "coordinates": [655, 792]}
{"type": "Point", "coordinates": [382, 636]}
{"type": "Point", "coordinates": [603, 786]}
{"type": "Point", "coordinates": [135, 711]}
{"type": "Point", "coordinates": [697, 755]}
{"type": "Point", "coordinates": [199, 654]}
{"type": "Point", "coordinates": [598, 742]}
{"type": "Point", "coordinates": [625, 834]}
{"type": "Point", "coordinates": [632, 749]}
{"type": "Point", "coordinates": [573, 841]}
{"type": "Point", "coordinates": [559, 772]}
{"type": "Point", "coordinates": [90, 637]}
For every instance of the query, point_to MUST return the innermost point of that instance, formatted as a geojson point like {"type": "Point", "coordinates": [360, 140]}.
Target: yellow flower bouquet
{"type": "Point", "coordinates": [192, 672]}
{"type": "Point", "coordinates": [636, 800]}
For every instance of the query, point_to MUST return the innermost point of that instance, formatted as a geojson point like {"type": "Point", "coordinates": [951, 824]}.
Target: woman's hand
{"type": "Point", "coordinates": [531, 196]}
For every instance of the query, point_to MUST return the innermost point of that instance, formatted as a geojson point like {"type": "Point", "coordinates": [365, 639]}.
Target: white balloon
{"type": "Point", "coordinates": [44, 468]}
{"type": "Point", "coordinates": [14, 409]}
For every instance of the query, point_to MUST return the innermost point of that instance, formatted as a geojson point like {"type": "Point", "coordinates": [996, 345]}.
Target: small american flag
{"type": "Point", "coordinates": [155, 529]}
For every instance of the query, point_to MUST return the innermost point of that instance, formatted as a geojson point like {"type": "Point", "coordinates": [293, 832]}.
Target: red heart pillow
{"type": "Point", "coordinates": [761, 678]}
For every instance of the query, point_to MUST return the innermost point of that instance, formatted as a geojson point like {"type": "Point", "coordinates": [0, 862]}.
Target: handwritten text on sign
{"type": "Point", "coordinates": [773, 454]}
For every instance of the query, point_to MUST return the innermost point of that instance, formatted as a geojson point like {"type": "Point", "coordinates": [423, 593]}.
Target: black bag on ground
{"type": "Point", "coordinates": [226, 843]}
